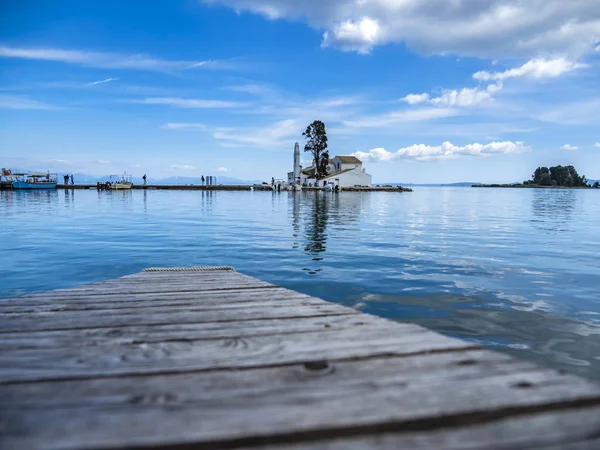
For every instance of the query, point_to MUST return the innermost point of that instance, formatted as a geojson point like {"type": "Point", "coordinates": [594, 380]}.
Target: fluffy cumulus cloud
{"type": "Point", "coordinates": [447, 150]}
{"type": "Point", "coordinates": [569, 148]}
{"type": "Point", "coordinates": [451, 98]}
{"type": "Point", "coordinates": [484, 28]}
{"type": "Point", "coordinates": [360, 35]}
{"type": "Point", "coordinates": [535, 68]}
{"type": "Point", "coordinates": [222, 169]}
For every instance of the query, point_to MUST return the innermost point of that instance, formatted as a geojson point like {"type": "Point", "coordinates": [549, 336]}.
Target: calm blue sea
{"type": "Point", "coordinates": [517, 270]}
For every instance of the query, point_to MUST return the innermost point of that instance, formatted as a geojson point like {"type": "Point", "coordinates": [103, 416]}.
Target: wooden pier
{"type": "Point", "coordinates": [208, 358]}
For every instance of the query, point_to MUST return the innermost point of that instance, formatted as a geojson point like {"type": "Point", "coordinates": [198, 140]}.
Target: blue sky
{"type": "Point", "coordinates": [438, 91]}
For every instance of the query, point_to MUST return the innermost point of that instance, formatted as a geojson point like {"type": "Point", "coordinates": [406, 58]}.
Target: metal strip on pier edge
{"type": "Point", "coordinates": [189, 269]}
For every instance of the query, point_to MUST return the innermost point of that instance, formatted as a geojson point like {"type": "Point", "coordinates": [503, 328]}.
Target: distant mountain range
{"type": "Point", "coordinates": [82, 178]}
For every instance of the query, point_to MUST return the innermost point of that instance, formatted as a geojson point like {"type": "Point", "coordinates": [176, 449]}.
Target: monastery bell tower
{"type": "Point", "coordinates": [297, 166]}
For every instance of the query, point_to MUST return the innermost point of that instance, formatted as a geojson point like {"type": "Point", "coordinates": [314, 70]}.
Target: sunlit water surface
{"type": "Point", "coordinates": [514, 269]}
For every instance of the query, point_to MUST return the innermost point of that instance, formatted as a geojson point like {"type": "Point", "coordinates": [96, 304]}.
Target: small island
{"type": "Point", "coordinates": [564, 177]}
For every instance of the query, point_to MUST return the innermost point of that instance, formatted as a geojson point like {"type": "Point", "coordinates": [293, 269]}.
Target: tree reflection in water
{"type": "Point", "coordinates": [315, 228]}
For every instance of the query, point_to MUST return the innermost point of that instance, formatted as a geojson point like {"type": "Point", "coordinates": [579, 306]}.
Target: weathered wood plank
{"type": "Point", "coordinates": [183, 332]}
{"type": "Point", "coordinates": [575, 429]}
{"type": "Point", "coordinates": [171, 357]}
{"type": "Point", "coordinates": [408, 370]}
{"type": "Point", "coordinates": [67, 315]}
{"type": "Point", "coordinates": [148, 288]}
{"type": "Point", "coordinates": [154, 299]}
{"type": "Point", "coordinates": [24, 324]}
{"type": "Point", "coordinates": [291, 402]}
{"type": "Point", "coordinates": [194, 282]}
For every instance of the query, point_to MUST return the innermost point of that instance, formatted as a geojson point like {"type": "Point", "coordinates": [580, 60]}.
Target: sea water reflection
{"type": "Point", "coordinates": [515, 270]}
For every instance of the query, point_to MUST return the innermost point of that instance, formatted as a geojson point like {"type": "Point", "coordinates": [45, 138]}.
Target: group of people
{"type": "Point", "coordinates": [103, 186]}
{"type": "Point", "coordinates": [66, 179]}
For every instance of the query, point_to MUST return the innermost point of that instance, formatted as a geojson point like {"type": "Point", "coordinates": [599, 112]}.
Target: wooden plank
{"type": "Point", "coordinates": [80, 303]}
{"type": "Point", "coordinates": [285, 404]}
{"type": "Point", "coordinates": [171, 357]}
{"type": "Point", "coordinates": [575, 429]}
{"type": "Point", "coordinates": [148, 288]}
{"type": "Point", "coordinates": [83, 313]}
{"type": "Point", "coordinates": [154, 284]}
{"type": "Point", "coordinates": [183, 332]}
{"type": "Point", "coordinates": [27, 324]}
{"type": "Point", "coordinates": [412, 369]}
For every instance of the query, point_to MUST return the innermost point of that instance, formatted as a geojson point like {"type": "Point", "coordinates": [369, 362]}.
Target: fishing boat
{"type": "Point", "coordinates": [121, 181]}
{"type": "Point", "coordinates": [29, 180]}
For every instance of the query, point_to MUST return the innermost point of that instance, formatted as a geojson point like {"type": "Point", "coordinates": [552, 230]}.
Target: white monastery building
{"type": "Point", "coordinates": [342, 171]}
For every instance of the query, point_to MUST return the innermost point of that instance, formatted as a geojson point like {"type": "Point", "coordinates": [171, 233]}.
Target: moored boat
{"type": "Point", "coordinates": [121, 181]}
{"type": "Point", "coordinates": [29, 180]}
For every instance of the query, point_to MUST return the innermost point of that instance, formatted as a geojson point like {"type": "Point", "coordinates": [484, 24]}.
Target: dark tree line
{"type": "Point", "coordinates": [558, 176]}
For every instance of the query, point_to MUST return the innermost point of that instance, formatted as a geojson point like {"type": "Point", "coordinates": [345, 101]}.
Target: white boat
{"type": "Point", "coordinates": [121, 181]}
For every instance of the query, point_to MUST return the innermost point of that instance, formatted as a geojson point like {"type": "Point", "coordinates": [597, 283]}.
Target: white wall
{"type": "Point", "coordinates": [351, 178]}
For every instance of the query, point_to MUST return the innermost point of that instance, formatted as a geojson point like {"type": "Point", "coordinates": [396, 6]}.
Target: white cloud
{"type": "Point", "coordinates": [17, 102]}
{"type": "Point", "coordinates": [189, 102]}
{"type": "Point", "coordinates": [221, 169]}
{"type": "Point", "coordinates": [401, 116]}
{"type": "Point", "coordinates": [490, 28]}
{"type": "Point", "coordinates": [184, 126]}
{"type": "Point", "coordinates": [108, 80]}
{"type": "Point", "coordinates": [275, 135]}
{"type": "Point", "coordinates": [60, 161]}
{"type": "Point", "coordinates": [182, 167]}
{"type": "Point", "coordinates": [103, 161]}
{"type": "Point", "coordinates": [108, 60]}
{"type": "Point", "coordinates": [450, 98]}
{"type": "Point", "coordinates": [360, 35]}
{"type": "Point", "coordinates": [466, 96]}
{"type": "Point", "coordinates": [415, 99]}
{"type": "Point", "coordinates": [570, 148]}
{"type": "Point", "coordinates": [536, 68]}
{"type": "Point", "coordinates": [447, 150]}
{"type": "Point", "coordinates": [597, 145]}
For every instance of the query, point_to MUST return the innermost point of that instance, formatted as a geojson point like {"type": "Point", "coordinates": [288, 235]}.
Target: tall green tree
{"type": "Point", "coordinates": [316, 143]}
{"type": "Point", "coordinates": [558, 176]}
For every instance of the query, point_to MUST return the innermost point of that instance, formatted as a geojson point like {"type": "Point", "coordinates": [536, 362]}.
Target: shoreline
{"type": "Point", "coordinates": [526, 186]}
{"type": "Point", "coordinates": [241, 187]}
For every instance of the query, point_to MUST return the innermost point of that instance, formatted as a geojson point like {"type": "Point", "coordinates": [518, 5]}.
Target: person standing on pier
{"type": "Point", "coordinates": [72, 182]}
{"type": "Point", "coordinates": [66, 179]}
{"type": "Point", "coordinates": [144, 178]}
{"type": "Point", "coordinates": [202, 179]}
